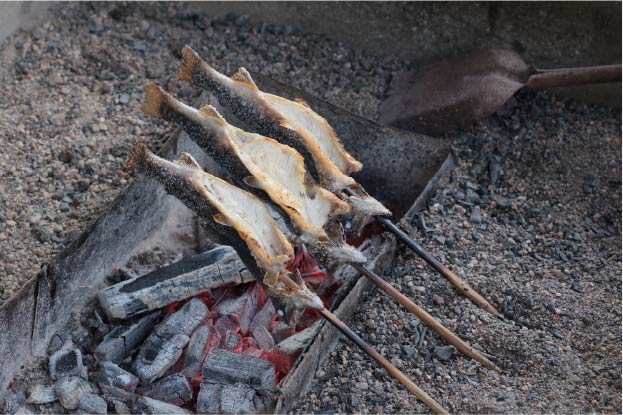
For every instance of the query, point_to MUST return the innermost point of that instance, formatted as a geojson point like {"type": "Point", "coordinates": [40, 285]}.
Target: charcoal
{"type": "Point", "coordinates": [196, 348]}
{"type": "Point", "coordinates": [65, 362]}
{"type": "Point", "coordinates": [249, 309]}
{"type": "Point", "coordinates": [122, 340]}
{"type": "Point", "coordinates": [145, 405]}
{"type": "Point", "coordinates": [112, 375]}
{"type": "Point", "coordinates": [282, 331]}
{"type": "Point", "coordinates": [173, 389]}
{"type": "Point", "coordinates": [165, 345]}
{"type": "Point", "coordinates": [263, 317]}
{"type": "Point", "coordinates": [175, 282]}
{"type": "Point", "coordinates": [40, 394]}
{"type": "Point", "coordinates": [121, 407]}
{"type": "Point", "coordinates": [231, 340]}
{"type": "Point", "coordinates": [92, 404]}
{"type": "Point", "coordinates": [225, 324]}
{"type": "Point", "coordinates": [239, 398]}
{"type": "Point", "coordinates": [69, 391]}
{"type": "Point", "coordinates": [223, 366]}
{"type": "Point", "coordinates": [298, 341]}
{"type": "Point", "coordinates": [263, 337]}
{"type": "Point", "coordinates": [231, 306]}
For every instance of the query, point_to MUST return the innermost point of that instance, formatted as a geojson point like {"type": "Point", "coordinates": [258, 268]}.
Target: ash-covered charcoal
{"type": "Point", "coordinates": [264, 317]}
{"type": "Point", "coordinates": [122, 340]}
{"type": "Point", "coordinates": [232, 340]}
{"type": "Point", "coordinates": [231, 306]}
{"type": "Point", "coordinates": [263, 337]}
{"type": "Point", "coordinates": [112, 375]}
{"type": "Point", "coordinates": [145, 405]}
{"type": "Point", "coordinates": [40, 394]}
{"type": "Point", "coordinates": [223, 366]}
{"type": "Point", "coordinates": [298, 341]}
{"type": "Point", "coordinates": [65, 362]}
{"type": "Point", "coordinates": [92, 404]}
{"type": "Point", "coordinates": [282, 331]}
{"type": "Point", "coordinates": [173, 389]}
{"type": "Point", "coordinates": [238, 398]}
{"type": "Point", "coordinates": [250, 307]}
{"type": "Point", "coordinates": [225, 324]}
{"type": "Point", "coordinates": [165, 345]}
{"type": "Point", "coordinates": [196, 349]}
{"type": "Point", "coordinates": [175, 282]}
{"type": "Point", "coordinates": [69, 391]}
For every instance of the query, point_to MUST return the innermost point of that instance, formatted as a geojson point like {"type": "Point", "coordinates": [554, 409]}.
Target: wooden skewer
{"type": "Point", "coordinates": [463, 287]}
{"type": "Point", "coordinates": [452, 338]}
{"type": "Point", "coordinates": [376, 356]}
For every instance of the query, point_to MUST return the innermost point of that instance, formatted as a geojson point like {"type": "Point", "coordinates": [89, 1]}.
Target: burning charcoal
{"type": "Point", "coordinates": [173, 389]}
{"type": "Point", "coordinates": [175, 282]}
{"type": "Point", "coordinates": [112, 375]}
{"type": "Point", "coordinates": [231, 306]}
{"type": "Point", "coordinates": [145, 405]}
{"type": "Point", "coordinates": [70, 390]}
{"type": "Point", "coordinates": [65, 362]}
{"type": "Point", "coordinates": [93, 404]}
{"type": "Point", "coordinates": [264, 317]}
{"type": "Point", "coordinates": [298, 341]}
{"type": "Point", "coordinates": [162, 349]}
{"type": "Point", "coordinates": [196, 348]}
{"type": "Point", "coordinates": [225, 324]}
{"type": "Point", "coordinates": [263, 337]}
{"type": "Point", "coordinates": [122, 340]}
{"type": "Point", "coordinates": [282, 331]}
{"type": "Point", "coordinates": [232, 340]}
{"type": "Point", "coordinates": [222, 366]}
{"type": "Point", "coordinates": [249, 308]}
{"type": "Point", "coordinates": [209, 398]}
{"type": "Point", "coordinates": [40, 394]}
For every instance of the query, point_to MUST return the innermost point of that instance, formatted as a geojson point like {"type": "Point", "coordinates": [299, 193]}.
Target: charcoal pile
{"type": "Point", "coordinates": [195, 335]}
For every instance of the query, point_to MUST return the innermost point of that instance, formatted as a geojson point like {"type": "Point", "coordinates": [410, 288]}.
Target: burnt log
{"type": "Point", "coordinates": [175, 282]}
{"type": "Point", "coordinates": [173, 389]}
{"type": "Point", "coordinates": [122, 340]}
{"type": "Point", "coordinates": [165, 345]}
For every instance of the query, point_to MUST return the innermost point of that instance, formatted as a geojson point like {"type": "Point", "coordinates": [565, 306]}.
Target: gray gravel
{"type": "Point", "coordinates": [532, 217]}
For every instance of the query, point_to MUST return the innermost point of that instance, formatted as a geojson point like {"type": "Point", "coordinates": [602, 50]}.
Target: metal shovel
{"type": "Point", "coordinates": [457, 92]}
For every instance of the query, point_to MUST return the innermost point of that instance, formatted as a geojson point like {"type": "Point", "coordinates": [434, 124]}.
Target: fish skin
{"type": "Point", "coordinates": [240, 153]}
{"type": "Point", "coordinates": [190, 185]}
{"type": "Point", "coordinates": [252, 106]}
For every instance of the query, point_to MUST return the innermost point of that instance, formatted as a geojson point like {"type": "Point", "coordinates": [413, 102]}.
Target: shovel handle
{"type": "Point", "coordinates": [550, 78]}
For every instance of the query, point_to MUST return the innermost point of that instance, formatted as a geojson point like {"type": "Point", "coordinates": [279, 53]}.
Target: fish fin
{"type": "Point", "coordinates": [155, 100]}
{"type": "Point", "coordinates": [302, 102]}
{"type": "Point", "coordinates": [221, 219]}
{"type": "Point", "coordinates": [210, 111]}
{"type": "Point", "coordinates": [190, 60]}
{"type": "Point", "coordinates": [189, 161]}
{"type": "Point", "coordinates": [270, 279]}
{"type": "Point", "coordinates": [244, 76]}
{"type": "Point", "coordinates": [136, 159]}
{"type": "Point", "coordinates": [252, 181]}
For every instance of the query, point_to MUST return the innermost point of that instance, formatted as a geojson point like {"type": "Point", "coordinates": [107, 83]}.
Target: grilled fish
{"type": "Point", "coordinates": [235, 215]}
{"type": "Point", "coordinates": [290, 122]}
{"type": "Point", "coordinates": [258, 163]}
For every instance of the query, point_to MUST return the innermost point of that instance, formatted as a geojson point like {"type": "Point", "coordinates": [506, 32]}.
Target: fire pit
{"type": "Point", "coordinates": [157, 307]}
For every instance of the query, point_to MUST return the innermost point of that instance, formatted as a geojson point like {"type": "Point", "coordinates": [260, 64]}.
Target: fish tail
{"type": "Point", "coordinates": [137, 158]}
{"type": "Point", "coordinates": [190, 60]}
{"type": "Point", "coordinates": [155, 101]}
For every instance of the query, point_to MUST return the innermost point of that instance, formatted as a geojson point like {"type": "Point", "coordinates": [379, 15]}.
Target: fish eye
{"type": "Point", "coordinates": [281, 313]}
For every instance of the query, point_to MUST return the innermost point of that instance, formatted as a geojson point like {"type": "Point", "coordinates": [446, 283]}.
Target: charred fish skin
{"type": "Point", "coordinates": [182, 180]}
{"type": "Point", "coordinates": [251, 162]}
{"type": "Point", "coordinates": [161, 105]}
{"type": "Point", "coordinates": [242, 102]}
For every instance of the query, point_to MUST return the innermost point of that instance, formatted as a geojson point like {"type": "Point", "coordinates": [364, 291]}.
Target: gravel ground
{"type": "Point", "coordinates": [531, 217]}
